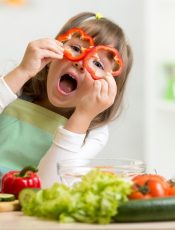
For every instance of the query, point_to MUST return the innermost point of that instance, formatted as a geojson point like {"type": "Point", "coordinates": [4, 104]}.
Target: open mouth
{"type": "Point", "coordinates": [67, 83]}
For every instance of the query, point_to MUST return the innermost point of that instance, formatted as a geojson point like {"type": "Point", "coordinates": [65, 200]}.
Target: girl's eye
{"type": "Point", "coordinates": [76, 48]}
{"type": "Point", "coordinates": [98, 64]}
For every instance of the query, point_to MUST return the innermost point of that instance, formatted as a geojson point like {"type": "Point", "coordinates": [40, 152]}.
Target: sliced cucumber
{"type": "Point", "coordinates": [157, 209]}
{"type": "Point", "coordinates": [6, 197]}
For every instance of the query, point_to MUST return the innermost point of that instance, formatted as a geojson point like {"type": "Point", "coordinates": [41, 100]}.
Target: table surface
{"type": "Point", "coordinates": [17, 221]}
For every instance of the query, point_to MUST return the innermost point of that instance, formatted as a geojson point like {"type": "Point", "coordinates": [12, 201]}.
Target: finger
{"type": "Point", "coordinates": [59, 43]}
{"type": "Point", "coordinates": [46, 61]}
{"type": "Point", "coordinates": [53, 47]}
{"type": "Point", "coordinates": [112, 86]}
{"type": "Point", "coordinates": [104, 88]}
{"type": "Point", "coordinates": [50, 44]}
{"type": "Point", "coordinates": [56, 51]}
{"type": "Point", "coordinates": [97, 88]}
{"type": "Point", "coordinates": [50, 54]}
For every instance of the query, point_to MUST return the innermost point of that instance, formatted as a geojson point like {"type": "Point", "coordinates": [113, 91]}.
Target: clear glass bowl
{"type": "Point", "coordinates": [71, 171]}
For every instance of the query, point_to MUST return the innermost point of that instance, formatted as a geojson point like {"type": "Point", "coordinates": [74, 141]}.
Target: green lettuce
{"type": "Point", "coordinates": [93, 200]}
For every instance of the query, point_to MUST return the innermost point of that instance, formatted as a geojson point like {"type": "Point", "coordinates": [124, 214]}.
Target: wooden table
{"type": "Point", "coordinates": [17, 221]}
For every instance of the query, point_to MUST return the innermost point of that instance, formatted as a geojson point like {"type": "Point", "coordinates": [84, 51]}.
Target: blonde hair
{"type": "Point", "coordinates": [104, 32]}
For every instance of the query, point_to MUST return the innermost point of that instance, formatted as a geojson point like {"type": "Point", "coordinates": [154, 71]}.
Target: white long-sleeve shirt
{"type": "Point", "coordinates": [65, 145]}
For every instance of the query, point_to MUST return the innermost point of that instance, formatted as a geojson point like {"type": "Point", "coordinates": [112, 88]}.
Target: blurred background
{"type": "Point", "coordinates": [146, 128]}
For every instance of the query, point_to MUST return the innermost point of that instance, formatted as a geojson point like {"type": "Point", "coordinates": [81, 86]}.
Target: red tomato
{"type": "Point", "coordinates": [143, 177]}
{"type": "Point", "coordinates": [172, 191]}
{"type": "Point", "coordinates": [171, 187]}
{"type": "Point", "coordinates": [148, 186]}
{"type": "Point", "coordinates": [157, 188]}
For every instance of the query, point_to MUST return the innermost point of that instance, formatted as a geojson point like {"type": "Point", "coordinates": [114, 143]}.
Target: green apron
{"type": "Point", "coordinates": [26, 133]}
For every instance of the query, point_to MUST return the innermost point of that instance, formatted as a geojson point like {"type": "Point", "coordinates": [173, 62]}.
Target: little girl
{"type": "Point", "coordinates": [57, 102]}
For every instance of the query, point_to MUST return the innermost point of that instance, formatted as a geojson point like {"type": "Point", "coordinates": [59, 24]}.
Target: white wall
{"type": "Point", "coordinates": [160, 112]}
{"type": "Point", "coordinates": [43, 18]}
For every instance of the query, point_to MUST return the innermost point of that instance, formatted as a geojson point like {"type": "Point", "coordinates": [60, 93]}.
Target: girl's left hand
{"type": "Point", "coordinates": [99, 96]}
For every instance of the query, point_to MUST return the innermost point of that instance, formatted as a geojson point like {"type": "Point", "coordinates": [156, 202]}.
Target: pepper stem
{"type": "Point", "coordinates": [26, 169]}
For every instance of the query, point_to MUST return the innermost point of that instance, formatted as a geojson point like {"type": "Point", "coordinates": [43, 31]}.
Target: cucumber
{"type": "Point", "coordinates": [156, 209]}
{"type": "Point", "coordinates": [6, 197]}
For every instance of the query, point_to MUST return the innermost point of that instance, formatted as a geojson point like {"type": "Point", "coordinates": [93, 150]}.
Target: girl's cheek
{"type": "Point", "coordinates": [87, 82]}
{"type": "Point", "coordinates": [88, 78]}
{"type": "Point", "coordinates": [86, 85]}
{"type": "Point", "coordinates": [55, 66]}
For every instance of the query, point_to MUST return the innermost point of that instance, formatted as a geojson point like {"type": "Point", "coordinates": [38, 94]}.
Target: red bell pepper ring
{"type": "Point", "coordinates": [93, 53]}
{"type": "Point", "coordinates": [14, 181]}
{"type": "Point", "coordinates": [83, 36]}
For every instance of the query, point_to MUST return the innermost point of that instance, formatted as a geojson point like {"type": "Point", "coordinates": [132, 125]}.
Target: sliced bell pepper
{"type": "Point", "coordinates": [14, 181]}
{"type": "Point", "coordinates": [83, 36]}
{"type": "Point", "coordinates": [93, 53]}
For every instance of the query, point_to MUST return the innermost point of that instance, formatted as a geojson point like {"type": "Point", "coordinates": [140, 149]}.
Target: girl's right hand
{"type": "Point", "coordinates": [97, 96]}
{"type": "Point", "coordinates": [38, 54]}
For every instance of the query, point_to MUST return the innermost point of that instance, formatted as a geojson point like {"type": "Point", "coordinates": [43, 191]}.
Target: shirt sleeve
{"type": "Point", "coordinates": [69, 145]}
{"type": "Point", "coordinates": [6, 95]}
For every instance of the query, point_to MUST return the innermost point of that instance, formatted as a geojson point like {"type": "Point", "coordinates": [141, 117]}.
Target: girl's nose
{"type": "Point", "coordinates": [79, 65]}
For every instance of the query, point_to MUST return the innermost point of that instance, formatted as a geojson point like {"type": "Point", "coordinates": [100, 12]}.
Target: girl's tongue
{"type": "Point", "coordinates": [67, 84]}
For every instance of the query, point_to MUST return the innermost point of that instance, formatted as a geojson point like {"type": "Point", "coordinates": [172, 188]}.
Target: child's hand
{"type": "Point", "coordinates": [38, 54]}
{"type": "Point", "coordinates": [98, 97]}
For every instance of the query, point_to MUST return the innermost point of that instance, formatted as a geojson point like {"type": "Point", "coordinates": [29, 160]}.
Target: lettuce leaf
{"type": "Point", "coordinates": [93, 200]}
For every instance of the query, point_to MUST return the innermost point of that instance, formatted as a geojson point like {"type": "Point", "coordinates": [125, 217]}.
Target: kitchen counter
{"type": "Point", "coordinates": [17, 221]}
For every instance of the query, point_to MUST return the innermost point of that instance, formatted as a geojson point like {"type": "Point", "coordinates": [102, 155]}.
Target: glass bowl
{"type": "Point", "coordinates": [71, 171]}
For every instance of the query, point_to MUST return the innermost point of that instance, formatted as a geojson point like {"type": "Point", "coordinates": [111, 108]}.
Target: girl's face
{"type": "Point", "coordinates": [68, 81]}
